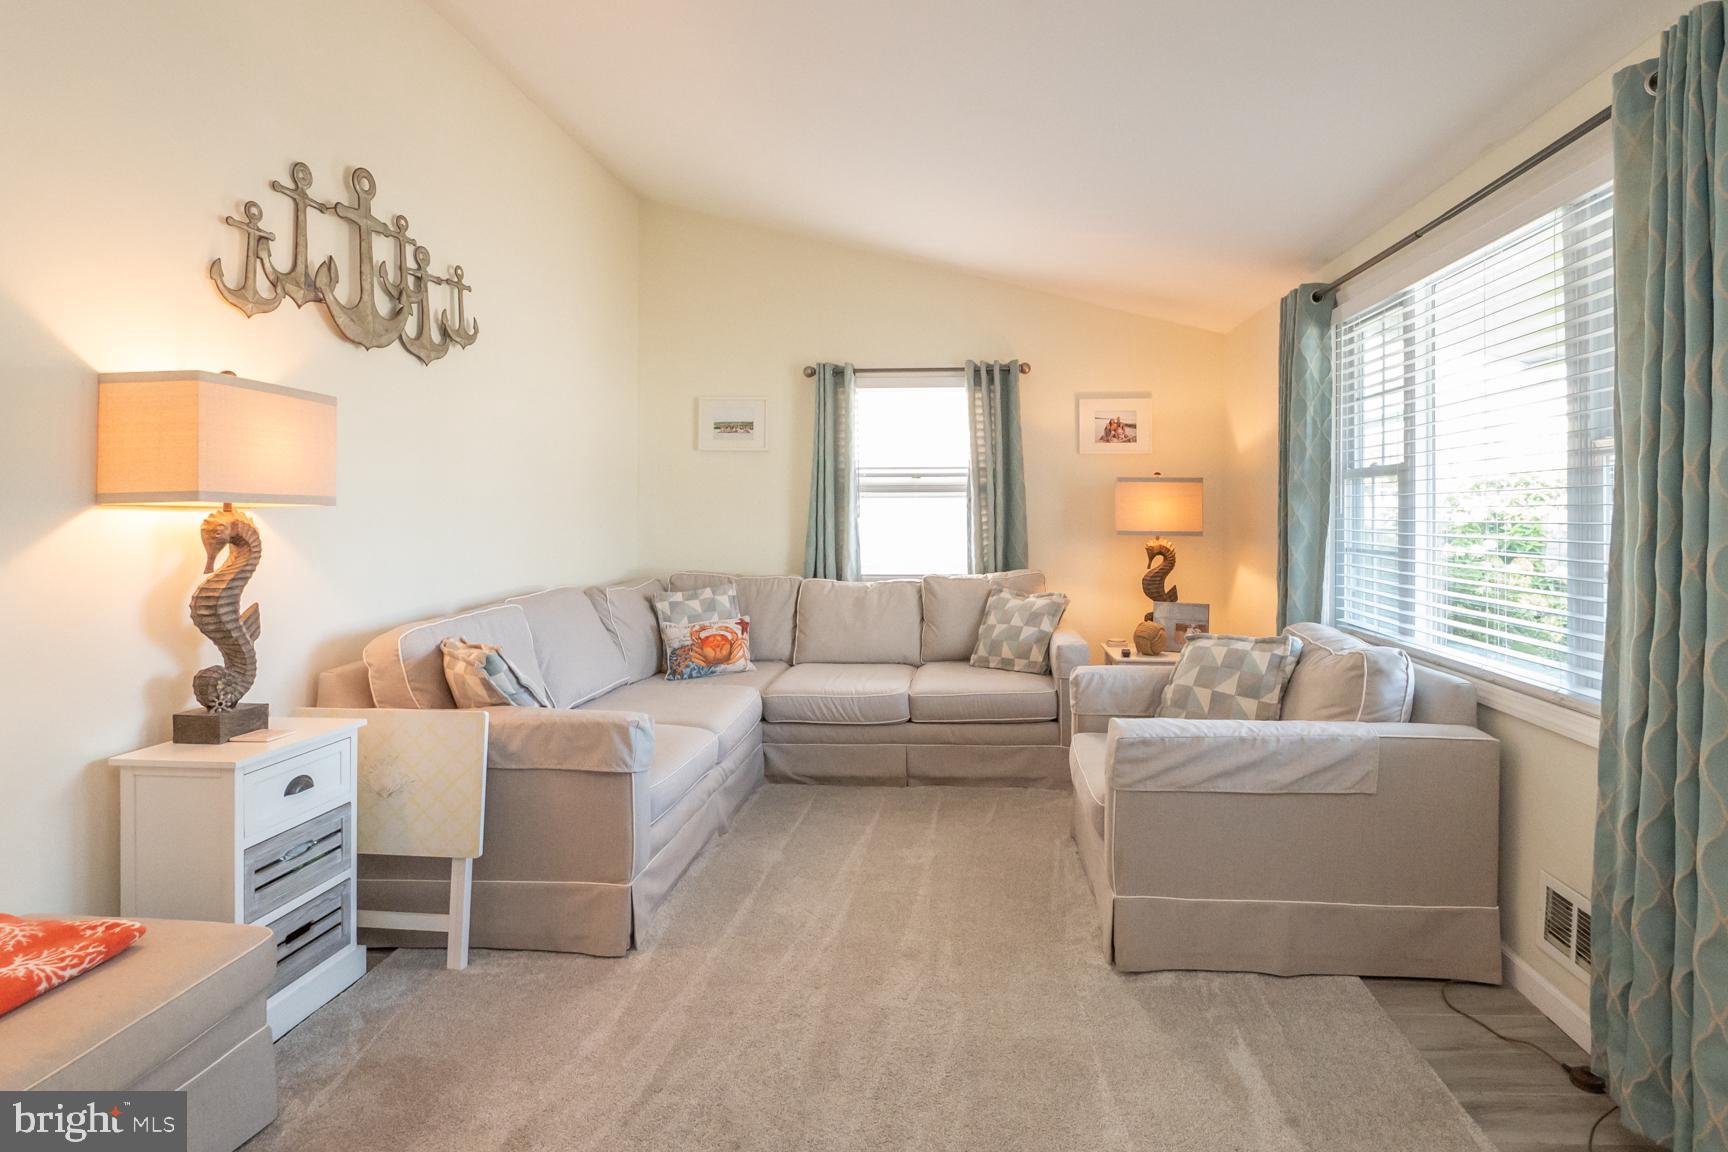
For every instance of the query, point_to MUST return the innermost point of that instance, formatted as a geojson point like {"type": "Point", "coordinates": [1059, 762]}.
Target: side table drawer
{"type": "Point", "coordinates": [311, 934]}
{"type": "Point", "coordinates": [298, 787]}
{"type": "Point", "coordinates": [280, 870]}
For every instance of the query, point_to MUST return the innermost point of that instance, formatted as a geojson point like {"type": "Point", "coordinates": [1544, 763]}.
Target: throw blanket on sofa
{"type": "Point", "coordinates": [36, 955]}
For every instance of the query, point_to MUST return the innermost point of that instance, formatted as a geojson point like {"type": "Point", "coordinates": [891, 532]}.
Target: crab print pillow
{"type": "Point", "coordinates": [36, 955]}
{"type": "Point", "coordinates": [707, 648]}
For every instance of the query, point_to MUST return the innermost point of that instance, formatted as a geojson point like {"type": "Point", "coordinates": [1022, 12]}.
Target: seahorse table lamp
{"type": "Point", "coordinates": [1158, 506]}
{"type": "Point", "coordinates": [199, 440]}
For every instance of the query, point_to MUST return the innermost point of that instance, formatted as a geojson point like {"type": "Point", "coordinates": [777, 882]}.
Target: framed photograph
{"type": "Point", "coordinates": [1115, 424]}
{"type": "Point", "coordinates": [1179, 619]}
{"type": "Point", "coordinates": [732, 424]}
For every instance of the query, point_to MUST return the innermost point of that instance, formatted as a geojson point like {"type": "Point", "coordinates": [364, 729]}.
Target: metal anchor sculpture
{"type": "Point", "coordinates": [426, 334]}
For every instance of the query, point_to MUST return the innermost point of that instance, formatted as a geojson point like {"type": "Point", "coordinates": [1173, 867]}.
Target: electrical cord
{"type": "Point", "coordinates": [1580, 1075]}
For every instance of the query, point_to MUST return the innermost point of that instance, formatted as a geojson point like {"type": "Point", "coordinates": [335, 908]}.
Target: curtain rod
{"type": "Point", "coordinates": [810, 370]}
{"type": "Point", "coordinates": [1469, 201]}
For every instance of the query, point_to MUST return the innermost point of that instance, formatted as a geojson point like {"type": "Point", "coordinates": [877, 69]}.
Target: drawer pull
{"type": "Point", "coordinates": [297, 851]}
{"type": "Point", "coordinates": [300, 783]}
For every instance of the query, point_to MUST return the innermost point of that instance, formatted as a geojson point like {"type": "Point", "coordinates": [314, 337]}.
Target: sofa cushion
{"type": "Point", "coordinates": [839, 693]}
{"type": "Point", "coordinates": [847, 622]}
{"type": "Point", "coordinates": [108, 1028]}
{"type": "Point", "coordinates": [954, 607]}
{"type": "Point", "coordinates": [1089, 764]}
{"type": "Point", "coordinates": [1339, 677]}
{"type": "Point", "coordinates": [771, 602]}
{"type": "Point", "coordinates": [627, 610]}
{"type": "Point", "coordinates": [682, 756]}
{"type": "Point", "coordinates": [406, 668]}
{"type": "Point", "coordinates": [579, 659]}
{"type": "Point", "coordinates": [724, 707]}
{"type": "Point", "coordinates": [954, 692]}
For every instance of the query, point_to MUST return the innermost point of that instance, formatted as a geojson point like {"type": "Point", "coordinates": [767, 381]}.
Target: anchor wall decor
{"type": "Point", "coordinates": [408, 316]}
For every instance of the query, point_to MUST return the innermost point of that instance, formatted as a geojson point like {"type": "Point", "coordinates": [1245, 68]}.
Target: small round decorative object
{"type": "Point", "coordinates": [1149, 638]}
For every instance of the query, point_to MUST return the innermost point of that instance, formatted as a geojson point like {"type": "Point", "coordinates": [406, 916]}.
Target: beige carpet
{"type": "Point", "coordinates": [860, 968]}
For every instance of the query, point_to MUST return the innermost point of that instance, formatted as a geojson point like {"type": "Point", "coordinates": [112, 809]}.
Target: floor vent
{"type": "Point", "coordinates": [1566, 925]}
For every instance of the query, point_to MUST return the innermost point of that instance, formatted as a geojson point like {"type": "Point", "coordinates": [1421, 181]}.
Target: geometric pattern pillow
{"type": "Point", "coordinates": [707, 648]}
{"type": "Point", "coordinates": [695, 605]}
{"type": "Point", "coordinates": [480, 676]}
{"type": "Point", "coordinates": [1230, 678]}
{"type": "Point", "coordinates": [1016, 629]}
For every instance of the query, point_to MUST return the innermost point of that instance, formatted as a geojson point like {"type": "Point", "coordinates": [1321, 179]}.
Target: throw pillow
{"type": "Point", "coordinates": [707, 648]}
{"type": "Point", "coordinates": [36, 955]}
{"type": "Point", "coordinates": [480, 676]}
{"type": "Point", "coordinates": [695, 605]}
{"type": "Point", "coordinates": [1016, 629]}
{"type": "Point", "coordinates": [1230, 677]}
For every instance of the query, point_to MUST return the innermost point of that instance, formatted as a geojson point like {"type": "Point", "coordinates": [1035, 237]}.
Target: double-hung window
{"type": "Point", "coordinates": [1474, 456]}
{"type": "Point", "coordinates": [912, 453]}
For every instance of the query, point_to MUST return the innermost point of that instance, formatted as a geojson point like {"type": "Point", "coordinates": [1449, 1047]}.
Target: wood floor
{"type": "Point", "coordinates": [1521, 1102]}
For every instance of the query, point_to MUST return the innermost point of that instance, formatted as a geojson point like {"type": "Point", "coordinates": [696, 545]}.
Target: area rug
{"type": "Point", "coordinates": [860, 968]}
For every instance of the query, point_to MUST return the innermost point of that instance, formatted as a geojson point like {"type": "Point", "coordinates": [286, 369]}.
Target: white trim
{"type": "Point", "coordinates": [1558, 719]}
{"type": "Point", "coordinates": [1546, 996]}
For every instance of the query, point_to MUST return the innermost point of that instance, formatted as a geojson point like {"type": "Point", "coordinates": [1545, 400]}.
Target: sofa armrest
{"type": "Point", "coordinates": [1097, 693]}
{"type": "Point", "coordinates": [1279, 756]}
{"type": "Point", "coordinates": [1068, 651]}
{"type": "Point", "coordinates": [596, 741]}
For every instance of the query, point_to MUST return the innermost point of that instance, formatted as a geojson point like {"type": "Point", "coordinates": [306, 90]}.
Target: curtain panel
{"type": "Point", "coordinates": [1659, 993]}
{"type": "Point", "coordinates": [831, 535]}
{"type": "Point", "coordinates": [996, 486]}
{"type": "Point", "coordinates": [1304, 453]}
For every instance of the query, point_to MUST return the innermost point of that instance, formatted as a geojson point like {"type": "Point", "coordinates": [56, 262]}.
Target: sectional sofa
{"type": "Point", "coordinates": [596, 807]}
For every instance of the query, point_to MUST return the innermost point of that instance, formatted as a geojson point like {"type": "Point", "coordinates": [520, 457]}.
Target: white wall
{"type": "Point", "coordinates": [731, 309]}
{"type": "Point", "coordinates": [1548, 782]}
{"type": "Point", "coordinates": [132, 129]}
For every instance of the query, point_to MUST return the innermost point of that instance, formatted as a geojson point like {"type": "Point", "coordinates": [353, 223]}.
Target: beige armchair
{"type": "Point", "coordinates": [1289, 846]}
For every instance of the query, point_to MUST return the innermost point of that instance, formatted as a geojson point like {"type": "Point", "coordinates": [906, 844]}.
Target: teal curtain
{"type": "Point", "coordinates": [1659, 993]}
{"type": "Point", "coordinates": [1304, 453]}
{"type": "Point", "coordinates": [831, 537]}
{"type": "Point", "coordinates": [997, 485]}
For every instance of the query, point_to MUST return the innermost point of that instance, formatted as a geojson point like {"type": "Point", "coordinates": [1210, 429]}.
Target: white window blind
{"type": "Point", "coordinates": [1474, 457]}
{"type": "Point", "coordinates": [912, 447]}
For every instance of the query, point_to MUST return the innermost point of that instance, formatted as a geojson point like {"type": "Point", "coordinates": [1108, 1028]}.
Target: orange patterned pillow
{"type": "Point", "coordinates": [36, 955]}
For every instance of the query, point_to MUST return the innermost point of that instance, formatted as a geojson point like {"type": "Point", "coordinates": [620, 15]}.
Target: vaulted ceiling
{"type": "Point", "coordinates": [1175, 158]}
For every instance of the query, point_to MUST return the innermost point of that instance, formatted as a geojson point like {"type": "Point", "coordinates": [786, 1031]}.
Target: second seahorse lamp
{"type": "Point", "coordinates": [1159, 507]}
{"type": "Point", "coordinates": [214, 440]}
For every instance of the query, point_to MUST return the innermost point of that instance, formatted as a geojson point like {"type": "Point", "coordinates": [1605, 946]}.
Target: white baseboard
{"type": "Point", "coordinates": [1547, 997]}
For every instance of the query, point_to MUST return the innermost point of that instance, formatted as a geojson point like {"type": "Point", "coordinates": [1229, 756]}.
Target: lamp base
{"type": "Point", "coordinates": [202, 726]}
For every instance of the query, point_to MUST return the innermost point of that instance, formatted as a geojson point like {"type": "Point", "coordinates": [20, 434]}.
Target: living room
{"type": "Point", "coordinates": [949, 345]}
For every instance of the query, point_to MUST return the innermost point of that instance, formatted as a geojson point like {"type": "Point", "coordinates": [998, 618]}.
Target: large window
{"type": "Point", "coordinates": [912, 456]}
{"type": "Point", "coordinates": [1474, 457]}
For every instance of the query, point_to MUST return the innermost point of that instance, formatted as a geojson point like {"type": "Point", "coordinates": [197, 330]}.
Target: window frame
{"type": "Point", "coordinates": [1562, 181]}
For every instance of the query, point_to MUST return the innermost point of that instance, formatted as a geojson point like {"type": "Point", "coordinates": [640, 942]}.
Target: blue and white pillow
{"type": "Point", "coordinates": [697, 605]}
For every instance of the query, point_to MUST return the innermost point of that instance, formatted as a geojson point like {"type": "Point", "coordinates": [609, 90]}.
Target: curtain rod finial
{"type": "Point", "coordinates": [809, 371]}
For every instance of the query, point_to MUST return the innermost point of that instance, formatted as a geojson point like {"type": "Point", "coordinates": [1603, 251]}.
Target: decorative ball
{"type": "Point", "coordinates": [1149, 638]}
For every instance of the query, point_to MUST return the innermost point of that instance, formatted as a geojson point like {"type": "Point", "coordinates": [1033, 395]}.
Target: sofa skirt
{"type": "Point", "coordinates": [592, 917]}
{"type": "Point", "coordinates": [899, 765]}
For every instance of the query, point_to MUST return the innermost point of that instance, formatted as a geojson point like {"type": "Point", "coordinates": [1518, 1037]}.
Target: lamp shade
{"type": "Point", "coordinates": [1160, 505]}
{"type": "Point", "coordinates": [197, 438]}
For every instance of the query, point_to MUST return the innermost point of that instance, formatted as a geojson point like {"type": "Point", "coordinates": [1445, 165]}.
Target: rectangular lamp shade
{"type": "Point", "coordinates": [199, 438]}
{"type": "Point", "coordinates": [1160, 505]}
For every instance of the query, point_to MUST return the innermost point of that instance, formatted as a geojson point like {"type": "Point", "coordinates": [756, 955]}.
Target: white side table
{"type": "Point", "coordinates": [252, 833]}
{"type": "Point", "coordinates": [1113, 655]}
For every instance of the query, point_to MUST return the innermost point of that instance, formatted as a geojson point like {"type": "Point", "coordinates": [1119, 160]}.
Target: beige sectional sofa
{"type": "Point", "coordinates": [1358, 835]}
{"type": "Point", "coordinates": [595, 808]}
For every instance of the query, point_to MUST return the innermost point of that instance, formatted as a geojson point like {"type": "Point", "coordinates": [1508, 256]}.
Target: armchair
{"type": "Point", "coordinates": [1287, 846]}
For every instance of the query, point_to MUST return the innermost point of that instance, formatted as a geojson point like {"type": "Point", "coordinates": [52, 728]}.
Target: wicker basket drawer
{"type": "Point", "coordinates": [278, 871]}
{"type": "Point", "coordinates": [311, 934]}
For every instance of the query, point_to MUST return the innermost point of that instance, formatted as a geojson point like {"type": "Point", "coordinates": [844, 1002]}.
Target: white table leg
{"type": "Point", "coordinates": [461, 889]}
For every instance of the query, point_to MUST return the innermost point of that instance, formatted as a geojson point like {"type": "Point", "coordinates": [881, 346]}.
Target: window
{"type": "Point", "coordinates": [1475, 457]}
{"type": "Point", "coordinates": [912, 455]}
